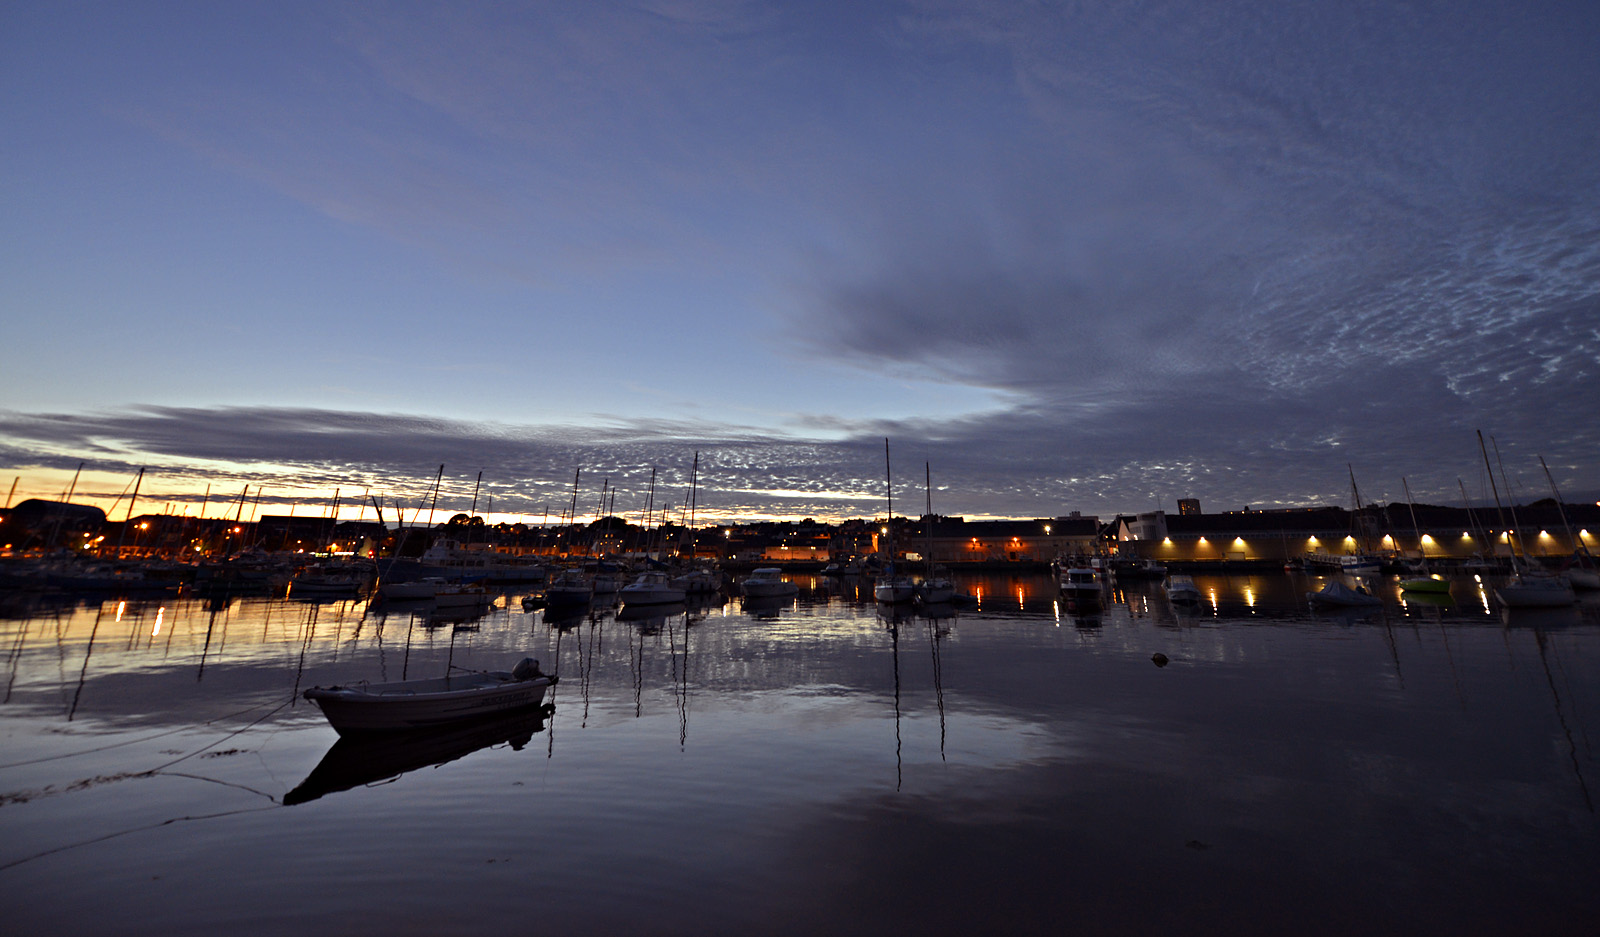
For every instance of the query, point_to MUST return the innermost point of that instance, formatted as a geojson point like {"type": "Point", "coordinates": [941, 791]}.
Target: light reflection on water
{"type": "Point", "coordinates": [819, 764]}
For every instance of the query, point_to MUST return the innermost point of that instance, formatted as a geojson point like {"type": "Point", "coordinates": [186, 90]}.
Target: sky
{"type": "Point", "coordinates": [1063, 256]}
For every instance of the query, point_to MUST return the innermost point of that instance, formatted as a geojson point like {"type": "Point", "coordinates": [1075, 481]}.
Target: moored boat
{"type": "Point", "coordinates": [413, 704]}
{"type": "Point", "coordinates": [1181, 589]}
{"type": "Point", "coordinates": [1337, 593]}
{"type": "Point", "coordinates": [767, 582]}
{"type": "Point", "coordinates": [651, 588]}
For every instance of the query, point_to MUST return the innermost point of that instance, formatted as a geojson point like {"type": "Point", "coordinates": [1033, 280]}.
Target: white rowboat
{"type": "Point", "coordinates": [413, 704]}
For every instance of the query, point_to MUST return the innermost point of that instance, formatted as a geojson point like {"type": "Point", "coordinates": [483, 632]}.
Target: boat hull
{"type": "Point", "coordinates": [391, 707]}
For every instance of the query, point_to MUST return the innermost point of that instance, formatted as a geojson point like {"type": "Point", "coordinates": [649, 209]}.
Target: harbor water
{"type": "Point", "coordinates": [820, 764]}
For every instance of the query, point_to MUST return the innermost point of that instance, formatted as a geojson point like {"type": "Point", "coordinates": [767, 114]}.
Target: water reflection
{"type": "Point", "coordinates": [383, 757]}
{"type": "Point", "coordinates": [832, 755]}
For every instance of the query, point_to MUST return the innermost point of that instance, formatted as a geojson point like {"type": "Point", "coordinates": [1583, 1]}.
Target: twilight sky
{"type": "Point", "coordinates": [1086, 257]}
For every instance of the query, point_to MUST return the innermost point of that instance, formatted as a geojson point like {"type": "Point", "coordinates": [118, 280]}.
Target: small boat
{"type": "Point", "coordinates": [1337, 593]}
{"type": "Point", "coordinates": [767, 582]}
{"type": "Point", "coordinates": [893, 588]}
{"type": "Point", "coordinates": [1430, 584]}
{"type": "Point", "coordinates": [416, 590]}
{"type": "Point", "coordinates": [1082, 583]}
{"type": "Point", "coordinates": [651, 588]}
{"type": "Point", "coordinates": [699, 582]}
{"type": "Point", "coordinates": [1181, 589]}
{"type": "Point", "coordinates": [458, 595]}
{"type": "Point", "coordinates": [1140, 570]}
{"type": "Point", "coordinates": [415, 704]}
{"type": "Point", "coordinates": [936, 590]}
{"type": "Point", "coordinates": [570, 587]}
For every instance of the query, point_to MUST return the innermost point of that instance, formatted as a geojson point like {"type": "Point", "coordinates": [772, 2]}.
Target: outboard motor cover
{"type": "Point", "coordinates": [526, 669]}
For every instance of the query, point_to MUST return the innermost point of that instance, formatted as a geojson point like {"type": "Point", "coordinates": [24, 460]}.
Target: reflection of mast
{"type": "Point", "coordinates": [894, 638]}
{"type": "Point", "coordinates": [1572, 747]}
{"type": "Point", "coordinates": [934, 635]}
{"type": "Point", "coordinates": [680, 683]}
{"type": "Point", "coordinates": [84, 673]}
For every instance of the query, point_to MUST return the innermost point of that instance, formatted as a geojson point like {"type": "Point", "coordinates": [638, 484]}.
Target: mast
{"type": "Point", "coordinates": [927, 522]}
{"type": "Point", "coordinates": [129, 518]}
{"type": "Point", "coordinates": [888, 487]}
{"type": "Point", "coordinates": [475, 486]}
{"type": "Point", "coordinates": [435, 503]}
{"type": "Point", "coordinates": [1498, 509]}
{"type": "Point", "coordinates": [1415, 530]}
{"type": "Point", "coordinates": [1515, 534]}
{"type": "Point", "coordinates": [1578, 548]}
{"type": "Point", "coordinates": [1355, 496]}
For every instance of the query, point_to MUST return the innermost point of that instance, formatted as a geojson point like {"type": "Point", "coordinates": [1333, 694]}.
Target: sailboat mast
{"type": "Point", "coordinates": [888, 487]}
{"type": "Point", "coordinates": [1498, 509]}
{"type": "Point", "coordinates": [1577, 547]}
{"type": "Point", "coordinates": [1515, 534]}
{"type": "Point", "coordinates": [1415, 530]}
{"type": "Point", "coordinates": [927, 522]}
{"type": "Point", "coordinates": [436, 482]}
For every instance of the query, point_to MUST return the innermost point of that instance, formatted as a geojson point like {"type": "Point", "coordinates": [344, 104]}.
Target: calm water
{"type": "Point", "coordinates": [813, 767]}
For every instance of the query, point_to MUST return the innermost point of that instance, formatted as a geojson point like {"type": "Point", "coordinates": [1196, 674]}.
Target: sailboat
{"type": "Point", "coordinates": [1581, 574]}
{"type": "Point", "coordinates": [1426, 582]}
{"type": "Point", "coordinates": [932, 589]}
{"type": "Point", "coordinates": [890, 587]}
{"type": "Point", "coordinates": [1528, 588]}
{"type": "Point", "coordinates": [1363, 563]}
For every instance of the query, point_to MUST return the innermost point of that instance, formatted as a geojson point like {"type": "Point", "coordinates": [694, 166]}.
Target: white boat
{"type": "Point", "coordinates": [452, 558]}
{"type": "Point", "coordinates": [1182, 589]}
{"type": "Point", "coordinates": [651, 588]}
{"type": "Point", "coordinates": [1082, 583]}
{"type": "Point", "coordinates": [1337, 593]}
{"type": "Point", "coordinates": [413, 704]}
{"type": "Point", "coordinates": [1536, 590]}
{"type": "Point", "coordinates": [767, 582]}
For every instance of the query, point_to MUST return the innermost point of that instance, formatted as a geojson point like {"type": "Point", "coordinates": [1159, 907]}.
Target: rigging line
{"type": "Point", "coordinates": [245, 728]}
{"type": "Point", "coordinates": [138, 829]}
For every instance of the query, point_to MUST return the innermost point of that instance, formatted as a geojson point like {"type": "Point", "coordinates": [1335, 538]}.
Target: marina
{"type": "Point", "coordinates": [821, 761]}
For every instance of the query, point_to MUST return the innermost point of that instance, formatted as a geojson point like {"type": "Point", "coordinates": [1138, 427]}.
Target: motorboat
{"type": "Point", "coordinates": [1536, 590]}
{"type": "Point", "coordinates": [1140, 570]}
{"type": "Point", "coordinates": [1337, 593]}
{"type": "Point", "coordinates": [767, 582]}
{"type": "Point", "coordinates": [417, 590]}
{"type": "Point", "coordinates": [1082, 583]}
{"type": "Point", "coordinates": [1181, 589]}
{"type": "Point", "coordinates": [413, 704]}
{"type": "Point", "coordinates": [459, 595]}
{"type": "Point", "coordinates": [699, 582]}
{"type": "Point", "coordinates": [651, 588]}
{"type": "Point", "coordinates": [327, 582]}
{"type": "Point", "coordinates": [569, 587]}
